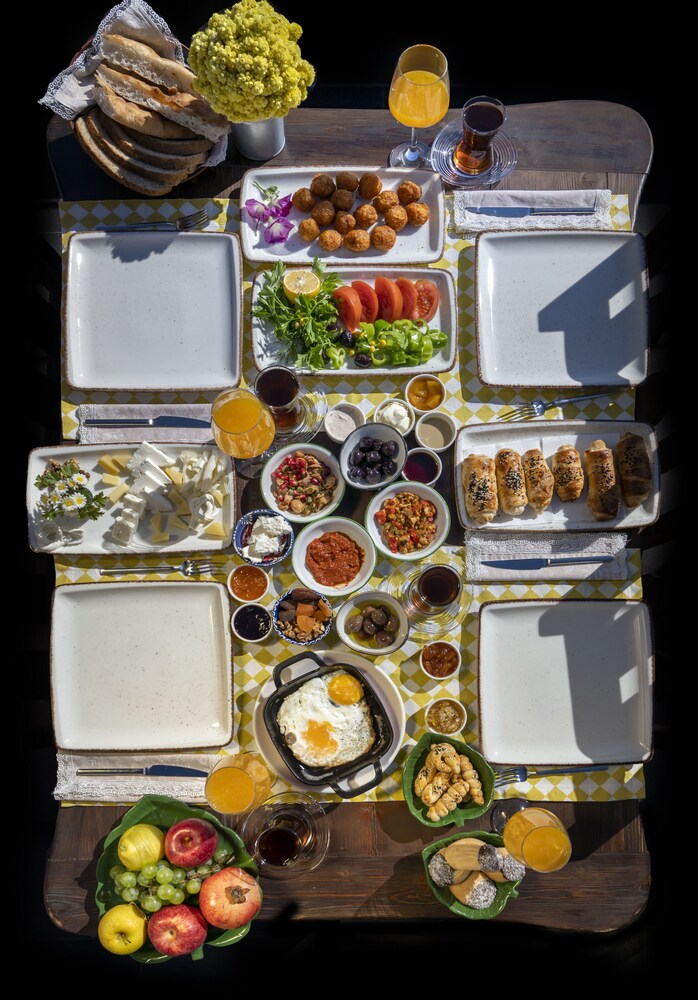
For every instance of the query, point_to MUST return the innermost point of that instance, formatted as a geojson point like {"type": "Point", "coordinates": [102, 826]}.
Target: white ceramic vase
{"type": "Point", "coordinates": [260, 140]}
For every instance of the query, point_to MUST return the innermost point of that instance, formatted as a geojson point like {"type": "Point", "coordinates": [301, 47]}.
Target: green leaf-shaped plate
{"type": "Point", "coordinates": [162, 811]}
{"type": "Point", "coordinates": [446, 897]}
{"type": "Point", "coordinates": [468, 810]}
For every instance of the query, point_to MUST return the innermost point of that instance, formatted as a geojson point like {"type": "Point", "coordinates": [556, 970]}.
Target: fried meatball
{"type": "Point", "coordinates": [322, 185]}
{"type": "Point", "coordinates": [344, 222]}
{"type": "Point", "coordinates": [365, 216]}
{"type": "Point", "coordinates": [417, 213]}
{"type": "Point", "coordinates": [358, 240]}
{"type": "Point", "coordinates": [330, 239]}
{"type": "Point", "coordinates": [347, 181]}
{"type": "Point", "coordinates": [308, 230]}
{"type": "Point", "coordinates": [303, 199]}
{"type": "Point", "coordinates": [370, 185]}
{"type": "Point", "coordinates": [342, 199]}
{"type": "Point", "coordinates": [383, 238]}
{"type": "Point", "coordinates": [409, 192]}
{"type": "Point", "coordinates": [396, 218]}
{"type": "Point", "coordinates": [384, 201]}
{"type": "Point", "coordinates": [323, 213]}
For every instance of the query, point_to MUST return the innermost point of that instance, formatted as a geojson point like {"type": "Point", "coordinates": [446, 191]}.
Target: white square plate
{"type": "Point", "coordinates": [141, 666]}
{"type": "Point", "coordinates": [414, 245]}
{"type": "Point", "coordinates": [565, 682]}
{"type": "Point", "coordinates": [153, 311]}
{"type": "Point", "coordinates": [561, 308]}
{"type": "Point", "coordinates": [549, 435]}
{"type": "Point", "coordinates": [96, 535]}
{"type": "Point", "coordinates": [267, 350]}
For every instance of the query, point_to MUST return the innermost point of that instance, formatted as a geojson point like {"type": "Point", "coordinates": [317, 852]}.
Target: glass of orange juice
{"type": "Point", "coordinates": [242, 425]}
{"type": "Point", "coordinates": [532, 835]}
{"type": "Point", "coordinates": [419, 96]}
{"type": "Point", "coordinates": [238, 784]}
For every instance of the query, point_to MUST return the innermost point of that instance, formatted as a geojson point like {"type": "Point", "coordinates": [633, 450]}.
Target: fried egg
{"type": "Point", "coordinates": [326, 722]}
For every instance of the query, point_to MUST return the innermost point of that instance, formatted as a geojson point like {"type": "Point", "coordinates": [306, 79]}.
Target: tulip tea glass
{"type": "Point", "coordinates": [482, 119]}
{"type": "Point", "coordinates": [419, 96]}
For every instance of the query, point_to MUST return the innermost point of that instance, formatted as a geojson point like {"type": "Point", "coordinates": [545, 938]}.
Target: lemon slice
{"type": "Point", "coordinates": [300, 282]}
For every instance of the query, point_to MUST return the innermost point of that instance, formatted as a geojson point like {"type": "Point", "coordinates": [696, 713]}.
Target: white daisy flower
{"type": "Point", "coordinates": [70, 505]}
{"type": "Point", "coordinates": [79, 500]}
{"type": "Point", "coordinates": [61, 487]}
{"type": "Point", "coordinates": [79, 479]}
{"type": "Point", "coordinates": [54, 498]}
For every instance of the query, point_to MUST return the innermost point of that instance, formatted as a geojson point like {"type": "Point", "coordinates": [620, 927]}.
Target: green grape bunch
{"type": "Point", "coordinates": [164, 884]}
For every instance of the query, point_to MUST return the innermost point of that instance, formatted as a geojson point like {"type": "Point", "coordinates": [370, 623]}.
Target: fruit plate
{"type": "Point", "coordinates": [461, 813]}
{"type": "Point", "coordinates": [266, 349]}
{"type": "Point", "coordinates": [505, 890]}
{"type": "Point", "coordinates": [164, 812]}
{"type": "Point", "coordinates": [414, 245]}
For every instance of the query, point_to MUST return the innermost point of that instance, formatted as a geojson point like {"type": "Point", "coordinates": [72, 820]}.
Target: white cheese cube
{"type": "Point", "coordinates": [158, 501]}
{"type": "Point", "coordinates": [147, 452]}
{"type": "Point", "coordinates": [129, 517]}
{"type": "Point", "coordinates": [122, 533]}
{"type": "Point", "coordinates": [135, 503]}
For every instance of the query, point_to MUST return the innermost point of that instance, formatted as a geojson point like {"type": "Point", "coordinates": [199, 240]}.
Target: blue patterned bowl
{"type": "Point", "coordinates": [244, 527]}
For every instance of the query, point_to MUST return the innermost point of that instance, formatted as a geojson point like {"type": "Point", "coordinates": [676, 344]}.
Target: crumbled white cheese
{"type": "Point", "coordinates": [266, 538]}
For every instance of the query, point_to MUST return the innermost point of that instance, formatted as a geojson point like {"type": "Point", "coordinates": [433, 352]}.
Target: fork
{"type": "Point", "coordinates": [527, 411]}
{"type": "Point", "coordinates": [189, 567]}
{"type": "Point", "coordinates": [184, 224]}
{"type": "Point", "coordinates": [513, 775]}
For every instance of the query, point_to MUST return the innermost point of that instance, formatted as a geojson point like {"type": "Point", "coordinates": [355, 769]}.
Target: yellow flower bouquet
{"type": "Point", "coordinates": [248, 63]}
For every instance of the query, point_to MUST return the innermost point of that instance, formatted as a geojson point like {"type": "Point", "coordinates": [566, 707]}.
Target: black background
{"type": "Point", "coordinates": [354, 48]}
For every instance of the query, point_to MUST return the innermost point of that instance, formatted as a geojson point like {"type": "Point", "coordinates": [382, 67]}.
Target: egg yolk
{"type": "Point", "coordinates": [317, 735]}
{"type": "Point", "coordinates": [345, 690]}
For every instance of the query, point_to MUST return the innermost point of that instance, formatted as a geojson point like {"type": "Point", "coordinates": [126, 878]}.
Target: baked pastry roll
{"type": "Point", "coordinates": [568, 473]}
{"type": "Point", "coordinates": [511, 486]}
{"type": "Point", "coordinates": [540, 481]}
{"type": "Point", "coordinates": [480, 488]}
{"type": "Point", "coordinates": [603, 497]}
{"type": "Point", "coordinates": [634, 469]}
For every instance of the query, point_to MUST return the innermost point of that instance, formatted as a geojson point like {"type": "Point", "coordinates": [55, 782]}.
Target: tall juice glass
{"type": "Point", "coordinates": [242, 425]}
{"type": "Point", "coordinates": [537, 839]}
{"type": "Point", "coordinates": [238, 784]}
{"type": "Point", "coordinates": [419, 96]}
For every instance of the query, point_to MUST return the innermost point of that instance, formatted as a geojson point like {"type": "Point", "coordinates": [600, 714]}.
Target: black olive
{"type": "Point", "coordinates": [373, 475]}
{"type": "Point", "coordinates": [325, 356]}
{"type": "Point", "coordinates": [389, 448]}
{"type": "Point", "coordinates": [363, 360]}
{"type": "Point", "coordinates": [368, 610]}
{"type": "Point", "coordinates": [379, 616]}
{"type": "Point", "coordinates": [356, 472]}
{"type": "Point", "coordinates": [366, 443]}
{"type": "Point", "coordinates": [346, 339]}
{"type": "Point", "coordinates": [388, 467]}
{"type": "Point", "coordinates": [357, 456]}
{"type": "Point", "coordinates": [384, 638]}
{"type": "Point", "coordinates": [392, 624]}
{"type": "Point", "coordinates": [369, 628]}
{"type": "Point", "coordinates": [373, 457]}
{"type": "Point", "coordinates": [355, 623]}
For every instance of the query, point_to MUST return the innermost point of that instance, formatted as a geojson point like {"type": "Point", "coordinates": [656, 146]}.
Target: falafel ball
{"type": "Point", "coordinates": [342, 199]}
{"type": "Point", "coordinates": [322, 185]}
{"type": "Point", "coordinates": [383, 238]}
{"type": "Point", "coordinates": [417, 213]}
{"type": "Point", "coordinates": [344, 222]}
{"type": "Point", "coordinates": [408, 192]}
{"type": "Point", "coordinates": [303, 199]}
{"type": "Point", "coordinates": [323, 212]}
{"type": "Point", "coordinates": [396, 218]}
{"type": "Point", "coordinates": [384, 201]}
{"type": "Point", "coordinates": [346, 181]}
{"type": "Point", "coordinates": [308, 230]}
{"type": "Point", "coordinates": [365, 216]}
{"type": "Point", "coordinates": [330, 239]}
{"type": "Point", "coordinates": [370, 185]}
{"type": "Point", "coordinates": [358, 240]}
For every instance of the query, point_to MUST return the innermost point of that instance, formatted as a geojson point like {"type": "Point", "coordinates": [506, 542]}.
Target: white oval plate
{"type": "Point", "coordinates": [347, 527]}
{"type": "Point", "coordinates": [309, 449]}
{"type": "Point", "coordinates": [443, 519]}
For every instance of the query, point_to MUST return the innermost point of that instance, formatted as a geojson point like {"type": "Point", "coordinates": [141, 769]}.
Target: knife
{"type": "Point", "coordinates": [161, 421]}
{"type": "Point", "coordinates": [170, 770]}
{"type": "Point", "coordinates": [542, 563]}
{"type": "Point", "coordinates": [519, 211]}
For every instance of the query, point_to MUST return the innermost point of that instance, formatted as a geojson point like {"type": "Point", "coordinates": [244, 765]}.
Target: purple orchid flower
{"type": "Point", "coordinates": [277, 231]}
{"type": "Point", "coordinates": [282, 207]}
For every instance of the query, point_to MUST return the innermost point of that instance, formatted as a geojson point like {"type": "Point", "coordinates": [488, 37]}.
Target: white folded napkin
{"type": "Point", "coordinates": [543, 545]}
{"type": "Point", "coordinates": [71, 92]}
{"type": "Point", "coordinates": [128, 787]}
{"type": "Point", "coordinates": [127, 411]}
{"type": "Point", "coordinates": [463, 220]}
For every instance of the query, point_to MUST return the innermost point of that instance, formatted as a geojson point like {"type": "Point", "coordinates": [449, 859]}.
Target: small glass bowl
{"type": "Point", "coordinates": [457, 707]}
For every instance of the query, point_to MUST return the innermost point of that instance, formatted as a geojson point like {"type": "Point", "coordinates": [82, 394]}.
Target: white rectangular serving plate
{"type": "Point", "coordinates": [565, 682]}
{"type": "Point", "coordinates": [549, 435]}
{"type": "Point", "coordinates": [266, 349]}
{"type": "Point", "coordinates": [561, 308]}
{"type": "Point", "coordinates": [414, 245]}
{"type": "Point", "coordinates": [95, 539]}
{"type": "Point", "coordinates": [141, 666]}
{"type": "Point", "coordinates": [153, 311]}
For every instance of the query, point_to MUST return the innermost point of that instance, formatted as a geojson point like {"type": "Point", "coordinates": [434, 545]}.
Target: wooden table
{"type": "Point", "coordinates": [373, 869]}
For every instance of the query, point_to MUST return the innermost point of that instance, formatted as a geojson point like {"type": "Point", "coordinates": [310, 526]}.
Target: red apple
{"type": "Point", "coordinates": [177, 930]}
{"type": "Point", "coordinates": [230, 898]}
{"type": "Point", "coordinates": [191, 842]}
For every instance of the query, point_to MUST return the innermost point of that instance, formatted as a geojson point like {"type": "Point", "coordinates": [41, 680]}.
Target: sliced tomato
{"type": "Point", "coordinates": [349, 305]}
{"type": "Point", "coordinates": [409, 298]}
{"type": "Point", "coordinates": [369, 301]}
{"type": "Point", "coordinates": [389, 299]}
{"type": "Point", "coordinates": [427, 299]}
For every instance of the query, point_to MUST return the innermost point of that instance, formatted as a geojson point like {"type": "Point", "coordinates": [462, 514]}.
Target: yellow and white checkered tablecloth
{"type": "Point", "coordinates": [469, 402]}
